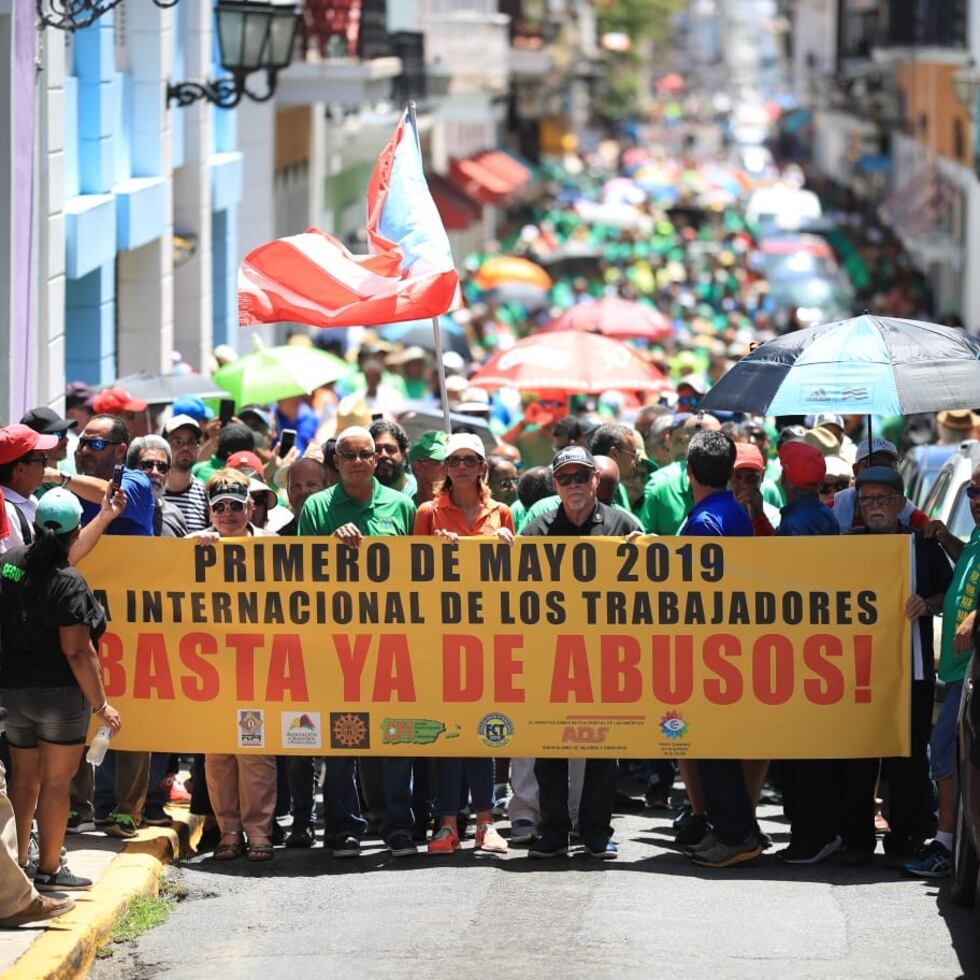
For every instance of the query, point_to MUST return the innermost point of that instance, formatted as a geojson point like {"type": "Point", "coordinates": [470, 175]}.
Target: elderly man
{"type": "Point", "coordinates": [427, 458]}
{"type": "Point", "coordinates": [356, 507]}
{"type": "Point", "coordinates": [304, 478]}
{"type": "Point", "coordinates": [184, 490]}
{"type": "Point", "coordinates": [746, 484]}
{"type": "Point", "coordinates": [151, 455]}
{"type": "Point", "coordinates": [502, 478]}
{"type": "Point", "coordinates": [959, 617]}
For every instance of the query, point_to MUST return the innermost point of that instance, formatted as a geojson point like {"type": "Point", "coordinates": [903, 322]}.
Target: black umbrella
{"type": "Point", "coordinates": [415, 422]}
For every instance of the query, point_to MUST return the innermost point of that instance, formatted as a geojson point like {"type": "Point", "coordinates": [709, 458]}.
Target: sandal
{"type": "Point", "coordinates": [229, 847]}
{"type": "Point", "coordinates": [259, 849]}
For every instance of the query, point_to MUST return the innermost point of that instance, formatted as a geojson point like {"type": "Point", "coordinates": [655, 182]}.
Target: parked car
{"type": "Point", "coordinates": [965, 885]}
{"type": "Point", "coordinates": [947, 500]}
{"type": "Point", "coordinates": [920, 467]}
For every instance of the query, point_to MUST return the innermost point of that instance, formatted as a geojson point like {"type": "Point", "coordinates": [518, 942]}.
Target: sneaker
{"type": "Point", "coordinates": [727, 855]}
{"type": "Point", "coordinates": [547, 848]}
{"type": "Point", "coordinates": [604, 850]}
{"type": "Point", "coordinates": [936, 861]}
{"type": "Point", "coordinates": [300, 835]}
{"type": "Point", "coordinates": [59, 881]}
{"type": "Point", "coordinates": [401, 845]}
{"type": "Point", "coordinates": [682, 814]}
{"type": "Point", "coordinates": [523, 832]}
{"type": "Point", "coordinates": [40, 908]}
{"type": "Point", "coordinates": [34, 850]}
{"type": "Point", "coordinates": [488, 839]}
{"type": "Point", "coordinates": [346, 847]}
{"type": "Point", "coordinates": [123, 825]}
{"type": "Point", "coordinates": [156, 816]}
{"type": "Point", "coordinates": [77, 824]}
{"type": "Point", "coordinates": [445, 842]}
{"type": "Point", "coordinates": [102, 819]}
{"type": "Point", "coordinates": [175, 789]}
{"type": "Point", "coordinates": [809, 853]}
{"type": "Point", "coordinates": [29, 869]}
{"type": "Point", "coordinates": [691, 829]}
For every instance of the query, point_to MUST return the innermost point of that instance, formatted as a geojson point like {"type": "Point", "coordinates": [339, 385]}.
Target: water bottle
{"type": "Point", "coordinates": [99, 746]}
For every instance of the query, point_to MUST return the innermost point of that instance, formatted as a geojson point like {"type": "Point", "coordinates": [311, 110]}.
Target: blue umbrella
{"type": "Point", "coordinates": [867, 365]}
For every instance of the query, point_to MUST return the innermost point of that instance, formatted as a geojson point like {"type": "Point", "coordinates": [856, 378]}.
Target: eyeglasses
{"type": "Point", "coordinates": [579, 478]}
{"type": "Point", "coordinates": [826, 488]}
{"type": "Point", "coordinates": [97, 445]}
{"type": "Point", "coordinates": [387, 450]}
{"type": "Point", "coordinates": [877, 498]}
{"type": "Point", "coordinates": [192, 443]}
{"type": "Point", "coordinates": [235, 506]}
{"type": "Point", "coordinates": [151, 464]}
{"type": "Point", "coordinates": [508, 481]}
{"type": "Point", "coordinates": [630, 451]}
{"type": "Point", "coordinates": [348, 456]}
{"type": "Point", "coordinates": [455, 462]}
{"type": "Point", "coordinates": [973, 492]}
{"type": "Point", "coordinates": [42, 459]}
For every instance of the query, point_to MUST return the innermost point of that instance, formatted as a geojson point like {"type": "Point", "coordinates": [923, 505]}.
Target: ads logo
{"type": "Point", "coordinates": [350, 730]}
{"type": "Point", "coordinates": [251, 728]}
{"type": "Point", "coordinates": [410, 731]}
{"type": "Point", "coordinates": [584, 734]}
{"type": "Point", "coordinates": [495, 729]}
{"type": "Point", "coordinates": [301, 730]}
{"type": "Point", "coordinates": [672, 725]}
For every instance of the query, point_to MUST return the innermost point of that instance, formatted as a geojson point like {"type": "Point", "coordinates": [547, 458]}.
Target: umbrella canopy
{"type": "Point", "coordinates": [417, 421]}
{"type": "Point", "coordinates": [419, 333]}
{"type": "Point", "coordinates": [162, 389]}
{"type": "Point", "coordinates": [571, 361]}
{"type": "Point", "coordinates": [279, 372]}
{"type": "Point", "coordinates": [511, 268]}
{"type": "Point", "coordinates": [614, 317]}
{"type": "Point", "coordinates": [867, 365]}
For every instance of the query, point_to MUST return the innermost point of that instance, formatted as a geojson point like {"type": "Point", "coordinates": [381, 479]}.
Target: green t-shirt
{"type": "Point", "coordinates": [387, 513]}
{"type": "Point", "coordinates": [667, 500]}
{"type": "Point", "coordinates": [961, 600]}
{"type": "Point", "coordinates": [204, 470]}
{"type": "Point", "coordinates": [518, 512]}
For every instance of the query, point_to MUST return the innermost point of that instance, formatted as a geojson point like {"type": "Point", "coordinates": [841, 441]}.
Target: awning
{"type": "Point", "coordinates": [480, 181]}
{"type": "Point", "coordinates": [506, 167]}
{"type": "Point", "coordinates": [457, 209]}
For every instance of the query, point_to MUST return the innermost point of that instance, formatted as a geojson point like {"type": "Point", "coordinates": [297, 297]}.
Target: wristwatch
{"type": "Point", "coordinates": [65, 479]}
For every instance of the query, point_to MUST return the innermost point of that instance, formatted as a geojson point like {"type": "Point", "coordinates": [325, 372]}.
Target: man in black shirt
{"type": "Point", "coordinates": [581, 513]}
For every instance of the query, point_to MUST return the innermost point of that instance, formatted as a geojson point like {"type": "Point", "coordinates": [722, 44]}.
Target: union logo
{"type": "Point", "coordinates": [672, 725]}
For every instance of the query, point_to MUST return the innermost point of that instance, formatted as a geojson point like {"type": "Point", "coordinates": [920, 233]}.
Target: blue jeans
{"type": "Point", "coordinates": [343, 807]}
{"type": "Point", "coordinates": [302, 789]}
{"type": "Point", "coordinates": [449, 777]}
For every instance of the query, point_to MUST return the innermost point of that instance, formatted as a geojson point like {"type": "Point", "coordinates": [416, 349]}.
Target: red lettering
{"type": "Point", "coordinates": [244, 645]}
{"type": "Point", "coordinates": [205, 682]}
{"type": "Point", "coordinates": [506, 668]}
{"type": "Point", "coordinates": [726, 687]}
{"type": "Point", "coordinates": [352, 662]}
{"type": "Point", "coordinates": [772, 669]}
{"type": "Point", "coordinates": [152, 669]}
{"type": "Point", "coordinates": [393, 679]}
{"type": "Point", "coordinates": [673, 669]}
{"type": "Point", "coordinates": [462, 667]}
{"type": "Point", "coordinates": [570, 676]}
{"type": "Point", "coordinates": [620, 677]}
{"type": "Point", "coordinates": [113, 672]}
{"type": "Point", "coordinates": [828, 686]}
{"type": "Point", "coordinates": [286, 670]}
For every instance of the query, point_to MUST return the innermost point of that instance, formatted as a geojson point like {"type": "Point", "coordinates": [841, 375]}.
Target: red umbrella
{"type": "Point", "coordinates": [570, 361]}
{"type": "Point", "coordinates": [614, 317]}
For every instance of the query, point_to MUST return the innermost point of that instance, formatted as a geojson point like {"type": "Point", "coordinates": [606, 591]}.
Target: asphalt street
{"type": "Point", "coordinates": [649, 914]}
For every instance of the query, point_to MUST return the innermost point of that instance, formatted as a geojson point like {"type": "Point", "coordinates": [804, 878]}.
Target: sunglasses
{"type": "Point", "coordinates": [973, 492]}
{"type": "Point", "coordinates": [349, 457]}
{"type": "Point", "coordinates": [454, 462]}
{"type": "Point", "coordinates": [689, 400]}
{"type": "Point", "coordinates": [826, 488]}
{"type": "Point", "coordinates": [387, 450]}
{"type": "Point", "coordinates": [151, 464]}
{"type": "Point", "coordinates": [579, 478]}
{"type": "Point", "coordinates": [97, 445]}
{"type": "Point", "coordinates": [235, 506]}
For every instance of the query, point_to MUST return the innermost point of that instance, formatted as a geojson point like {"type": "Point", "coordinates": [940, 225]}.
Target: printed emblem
{"type": "Point", "coordinates": [350, 730]}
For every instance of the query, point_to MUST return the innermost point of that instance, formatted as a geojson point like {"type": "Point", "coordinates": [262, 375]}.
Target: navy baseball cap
{"type": "Point", "coordinates": [572, 456]}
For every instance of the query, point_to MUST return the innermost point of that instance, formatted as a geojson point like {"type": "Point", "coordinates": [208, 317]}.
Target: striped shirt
{"type": "Point", "coordinates": [192, 503]}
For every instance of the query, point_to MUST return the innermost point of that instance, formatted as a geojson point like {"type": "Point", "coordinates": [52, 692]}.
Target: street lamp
{"type": "Point", "coordinates": [73, 15]}
{"type": "Point", "coordinates": [252, 35]}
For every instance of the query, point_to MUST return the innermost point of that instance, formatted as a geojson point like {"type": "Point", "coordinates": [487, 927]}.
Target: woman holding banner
{"type": "Point", "coordinates": [463, 507]}
{"type": "Point", "coordinates": [242, 787]}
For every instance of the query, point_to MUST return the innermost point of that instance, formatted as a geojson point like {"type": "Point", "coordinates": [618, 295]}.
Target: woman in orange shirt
{"type": "Point", "coordinates": [463, 507]}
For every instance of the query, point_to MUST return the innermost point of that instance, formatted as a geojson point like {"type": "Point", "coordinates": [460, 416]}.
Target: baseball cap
{"type": "Point", "coordinates": [193, 406]}
{"type": "Point", "coordinates": [256, 413]}
{"type": "Point", "coordinates": [113, 400]}
{"type": "Point", "coordinates": [878, 445]}
{"type": "Point", "coordinates": [572, 456]}
{"type": "Point", "coordinates": [244, 459]}
{"type": "Point", "coordinates": [748, 457]}
{"type": "Point", "coordinates": [59, 511]}
{"type": "Point", "coordinates": [884, 475]}
{"type": "Point", "coordinates": [803, 465]}
{"type": "Point", "coordinates": [178, 422]}
{"type": "Point", "coordinates": [48, 421]}
{"type": "Point", "coordinates": [18, 440]}
{"type": "Point", "coordinates": [466, 440]}
{"type": "Point", "coordinates": [695, 381]}
{"type": "Point", "coordinates": [429, 445]}
{"type": "Point", "coordinates": [827, 418]}
{"type": "Point", "coordinates": [226, 490]}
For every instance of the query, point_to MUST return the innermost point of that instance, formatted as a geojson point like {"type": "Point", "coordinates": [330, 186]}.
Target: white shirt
{"type": "Point", "coordinates": [14, 503]}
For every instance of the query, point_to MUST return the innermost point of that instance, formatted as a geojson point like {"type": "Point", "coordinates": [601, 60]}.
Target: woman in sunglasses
{"type": "Point", "coordinates": [463, 507]}
{"type": "Point", "coordinates": [242, 787]}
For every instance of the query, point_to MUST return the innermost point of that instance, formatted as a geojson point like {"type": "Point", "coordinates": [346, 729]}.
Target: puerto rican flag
{"type": "Point", "coordinates": [408, 274]}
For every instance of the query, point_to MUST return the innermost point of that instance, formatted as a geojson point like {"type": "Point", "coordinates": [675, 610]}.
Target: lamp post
{"type": "Point", "coordinates": [253, 35]}
{"type": "Point", "coordinates": [73, 15]}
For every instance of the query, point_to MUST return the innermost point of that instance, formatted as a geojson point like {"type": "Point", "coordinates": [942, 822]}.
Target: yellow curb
{"type": "Point", "coordinates": [67, 948]}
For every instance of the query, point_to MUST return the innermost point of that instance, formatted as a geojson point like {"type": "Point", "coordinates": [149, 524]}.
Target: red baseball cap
{"type": "Point", "coordinates": [114, 400]}
{"type": "Point", "coordinates": [19, 440]}
{"type": "Point", "coordinates": [748, 457]}
{"type": "Point", "coordinates": [803, 464]}
{"type": "Point", "coordinates": [244, 460]}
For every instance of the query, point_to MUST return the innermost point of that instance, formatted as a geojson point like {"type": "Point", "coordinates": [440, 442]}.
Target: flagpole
{"type": "Point", "coordinates": [436, 332]}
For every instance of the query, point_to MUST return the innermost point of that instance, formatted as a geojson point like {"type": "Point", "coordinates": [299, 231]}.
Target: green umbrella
{"type": "Point", "coordinates": [272, 373]}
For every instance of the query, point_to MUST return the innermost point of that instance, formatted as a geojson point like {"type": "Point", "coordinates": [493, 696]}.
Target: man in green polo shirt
{"type": "Point", "coordinates": [356, 507]}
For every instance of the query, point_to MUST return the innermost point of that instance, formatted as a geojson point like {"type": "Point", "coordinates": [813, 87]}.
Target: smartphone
{"type": "Point", "coordinates": [287, 440]}
{"type": "Point", "coordinates": [226, 411]}
{"type": "Point", "coordinates": [117, 475]}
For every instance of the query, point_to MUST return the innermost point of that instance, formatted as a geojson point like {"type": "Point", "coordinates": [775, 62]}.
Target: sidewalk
{"type": "Point", "coordinates": [120, 870]}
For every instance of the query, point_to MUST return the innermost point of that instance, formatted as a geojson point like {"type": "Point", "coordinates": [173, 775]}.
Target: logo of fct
{"type": "Point", "coordinates": [585, 734]}
{"type": "Point", "coordinates": [350, 730]}
{"type": "Point", "coordinates": [495, 729]}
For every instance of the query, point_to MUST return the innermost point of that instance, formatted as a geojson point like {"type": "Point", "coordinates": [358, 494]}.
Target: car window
{"type": "Point", "coordinates": [961, 521]}
{"type": "Point", "coordinates": [934, 501]}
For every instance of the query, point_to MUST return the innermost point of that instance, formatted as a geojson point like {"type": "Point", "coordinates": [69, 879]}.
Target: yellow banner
{"type": "Point", "coordinates": [666, 647]}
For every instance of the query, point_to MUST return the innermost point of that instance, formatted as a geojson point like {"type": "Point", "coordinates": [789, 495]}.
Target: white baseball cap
{"type": "Point", "coordinates": [878, 445]}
